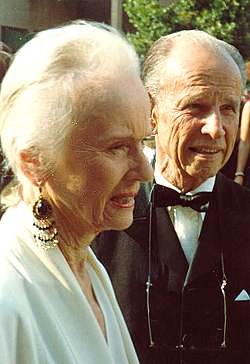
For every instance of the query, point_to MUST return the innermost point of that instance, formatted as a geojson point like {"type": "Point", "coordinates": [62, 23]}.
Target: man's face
{"type": "Point", "coordinates": [197, 115]}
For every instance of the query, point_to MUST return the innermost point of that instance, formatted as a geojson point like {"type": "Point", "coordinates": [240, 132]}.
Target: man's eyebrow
{"type": "Point", "coordinates": [231, 100]}
{"type": "Point", "coordinates": [186, 100]}
{"type": "Point", "coordinates": [197, 97]}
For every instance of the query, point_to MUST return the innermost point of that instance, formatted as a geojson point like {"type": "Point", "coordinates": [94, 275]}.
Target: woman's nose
{"type": "Point", "coordinates": [143, 171]}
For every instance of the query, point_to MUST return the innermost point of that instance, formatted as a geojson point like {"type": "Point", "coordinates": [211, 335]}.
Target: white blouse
{"type": "Point", "coordinates": [44, 315]}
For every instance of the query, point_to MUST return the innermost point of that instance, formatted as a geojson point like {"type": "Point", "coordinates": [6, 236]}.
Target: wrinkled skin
{"type": "Point", "coordinates": [196, 117]}
{"type": "Point", "coordinates": [98, 176]}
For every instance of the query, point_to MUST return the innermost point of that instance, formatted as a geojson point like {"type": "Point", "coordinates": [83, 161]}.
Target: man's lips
{"type": "Point", "coordinates": [206, 150]}
{"type": "Point", "coordinates": [124, 200]}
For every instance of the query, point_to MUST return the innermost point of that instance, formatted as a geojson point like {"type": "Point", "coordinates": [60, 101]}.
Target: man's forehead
{"type": "Point", "coordinates": [192, 54]}
{"type": "Point", "coordinates": [198, 64]}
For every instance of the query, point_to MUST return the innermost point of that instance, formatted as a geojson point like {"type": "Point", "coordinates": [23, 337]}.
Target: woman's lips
{"type": "Point", "coordinates": [124, 201]}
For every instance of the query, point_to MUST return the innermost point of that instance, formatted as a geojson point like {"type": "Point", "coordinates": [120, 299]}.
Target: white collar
{"type": "Point", "coordinates": [207, 186]}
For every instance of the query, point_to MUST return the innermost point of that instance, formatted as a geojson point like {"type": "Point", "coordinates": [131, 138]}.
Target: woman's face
{"type": "Point", "coordinates": [98, 178]}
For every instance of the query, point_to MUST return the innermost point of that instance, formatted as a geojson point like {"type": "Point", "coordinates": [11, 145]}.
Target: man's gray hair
{"type": "Point", "coordinates": [154, 65]}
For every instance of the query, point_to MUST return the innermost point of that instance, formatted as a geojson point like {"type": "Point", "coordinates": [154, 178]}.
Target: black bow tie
{"type": "Point", "coordinates": [163, 196]}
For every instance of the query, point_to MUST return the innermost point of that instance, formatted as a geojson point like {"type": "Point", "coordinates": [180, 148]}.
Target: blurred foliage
{"type": "Point", "coordinates": [228, 20]}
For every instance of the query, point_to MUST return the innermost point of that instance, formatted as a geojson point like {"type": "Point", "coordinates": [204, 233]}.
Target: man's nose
{"type": "Point", "coordinates": [214, 125]}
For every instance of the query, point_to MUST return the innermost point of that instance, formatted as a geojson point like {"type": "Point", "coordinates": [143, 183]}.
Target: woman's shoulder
{"type": "Point", "coordinates": [13, 284]}
{"type": "Point", "coordinates": [15, 278]}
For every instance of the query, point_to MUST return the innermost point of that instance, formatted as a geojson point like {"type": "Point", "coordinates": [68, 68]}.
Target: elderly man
{"type": "Point", "coordinates": [182, 270]}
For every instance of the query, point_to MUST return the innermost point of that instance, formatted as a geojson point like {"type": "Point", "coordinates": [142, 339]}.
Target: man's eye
{"type": "Point", "coordinates": [228, 107]}
{"type": "Point", "coordinates": [195, 106]}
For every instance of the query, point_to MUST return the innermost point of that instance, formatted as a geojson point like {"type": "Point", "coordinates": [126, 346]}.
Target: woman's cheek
{"type": "Point", "coordinates": [75, 184]}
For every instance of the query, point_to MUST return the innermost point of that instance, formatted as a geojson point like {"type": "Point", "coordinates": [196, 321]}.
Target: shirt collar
{"type": "Point", "coordinates": [206, 186]}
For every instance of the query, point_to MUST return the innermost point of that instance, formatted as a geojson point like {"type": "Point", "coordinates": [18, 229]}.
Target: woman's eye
{"type": "Point", "coordinates": [119, 147]}
{"type": "Point", "coordinates": [148, 141]}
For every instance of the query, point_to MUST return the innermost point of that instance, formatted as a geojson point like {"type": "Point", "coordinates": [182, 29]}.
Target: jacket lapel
{"type": "Point", "coordinates": [218, 229]}
{"type": "Point", "coordinates": [169, 250]}
{"type": "Point", "coordinates": [208, 252]}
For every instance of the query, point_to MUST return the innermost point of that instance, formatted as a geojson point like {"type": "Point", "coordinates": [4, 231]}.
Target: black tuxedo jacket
{"type": "Point", "coordinates": [196, 312]}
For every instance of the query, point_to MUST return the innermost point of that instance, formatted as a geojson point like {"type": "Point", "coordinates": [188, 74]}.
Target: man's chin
{"type": "Point", "coordinates": [203, 173]}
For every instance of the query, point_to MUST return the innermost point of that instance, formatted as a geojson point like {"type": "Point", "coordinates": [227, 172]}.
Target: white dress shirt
{"type": "Point", "coordinates": [186, 221]}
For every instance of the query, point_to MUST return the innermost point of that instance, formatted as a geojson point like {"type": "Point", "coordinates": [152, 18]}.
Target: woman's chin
{"type": "Point", "coordinates": [119, 223]}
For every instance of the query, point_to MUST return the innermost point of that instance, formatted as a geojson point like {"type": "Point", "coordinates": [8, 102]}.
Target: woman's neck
{"type": "Point", "coordinates": [77, 258]}
{"type": "Point", "coordinates": [75, 255]}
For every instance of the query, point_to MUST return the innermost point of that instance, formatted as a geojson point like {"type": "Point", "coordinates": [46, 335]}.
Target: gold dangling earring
{"type": "Point", "coordinates": [45, 230]}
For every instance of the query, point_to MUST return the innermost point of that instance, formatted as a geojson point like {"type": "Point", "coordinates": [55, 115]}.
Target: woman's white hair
{"type": "Point", "coordinates": [53, 75]}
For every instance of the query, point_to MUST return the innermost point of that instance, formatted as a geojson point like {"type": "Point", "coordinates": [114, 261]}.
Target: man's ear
{"type": "Point", "coordinates": [31, 167]}
{"type": "Point", "coordinates": [154, 113]}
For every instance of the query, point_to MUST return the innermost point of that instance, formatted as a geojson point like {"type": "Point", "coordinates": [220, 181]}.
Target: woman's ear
{"type": "Point", "coordinates": [31, 167]}
{"type": "Point", "coordinates": [153, 117]}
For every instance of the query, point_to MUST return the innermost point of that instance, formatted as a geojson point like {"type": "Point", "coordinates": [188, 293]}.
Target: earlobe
{"type": "Point", "coordinates": [30, 167]}
{"type": "Point", "coordinates": [153, 123]}
{"type": "Point", "coordinates": [153, 120]}
{"type": "Point", "coordinates": [153, 117]}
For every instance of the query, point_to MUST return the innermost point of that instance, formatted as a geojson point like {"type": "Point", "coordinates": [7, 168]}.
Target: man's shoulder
{"type": "Point", "coordinates": [232, 195]}
{"type": "Point", "coordinates": [142, 200]}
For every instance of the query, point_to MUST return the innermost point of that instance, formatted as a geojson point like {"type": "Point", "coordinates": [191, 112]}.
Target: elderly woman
{"type": "Point", "coordinates": [73, 116]}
